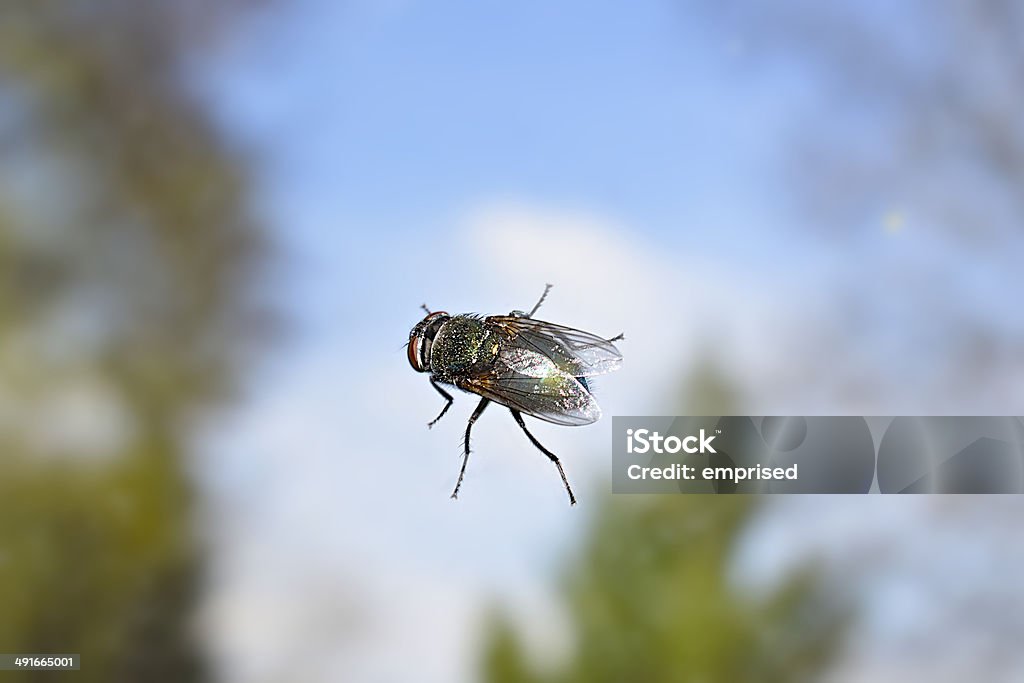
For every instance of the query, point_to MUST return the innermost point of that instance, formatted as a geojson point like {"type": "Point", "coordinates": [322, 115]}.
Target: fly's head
{"type": "Point", "coordinates": [421, 339]}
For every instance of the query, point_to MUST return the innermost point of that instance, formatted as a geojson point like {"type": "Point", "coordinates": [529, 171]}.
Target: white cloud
{"type": "Point", "coordinates": [675, 305]}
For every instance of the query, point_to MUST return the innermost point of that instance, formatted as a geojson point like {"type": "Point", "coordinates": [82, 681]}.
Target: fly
{"type": "Point", "coordinates": [527, 365]}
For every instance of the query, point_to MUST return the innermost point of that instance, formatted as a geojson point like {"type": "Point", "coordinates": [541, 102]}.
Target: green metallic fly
{"type": "Point", "coordinates": [527, 365]}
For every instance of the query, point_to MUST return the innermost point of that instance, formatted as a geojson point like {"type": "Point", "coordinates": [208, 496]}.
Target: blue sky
{"type": "Point", "coordinates": [384, 122]}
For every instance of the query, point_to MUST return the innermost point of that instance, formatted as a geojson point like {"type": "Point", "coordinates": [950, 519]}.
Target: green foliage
{"type": "Point", "coordinates": [651, 597]}
{"type": "Point", "coordinates": [99, 561]}
{"type": "Point", "coordinates": [126, 255]}
{"type": "Point", "coordinates": [708, 391]}
{"type": "Point", "coordinates": [651, 600]}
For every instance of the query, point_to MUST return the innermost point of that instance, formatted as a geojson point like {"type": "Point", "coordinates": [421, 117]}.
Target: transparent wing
{"type": "Point", "coordinates": [557, 397]}
{"type": "Point", "coordinates": [578, 353]}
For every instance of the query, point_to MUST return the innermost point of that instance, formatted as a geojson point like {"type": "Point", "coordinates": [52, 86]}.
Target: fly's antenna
{"type": "Point", "coordinates": [424, 307]}
{"type": "Point", "coordinates": [547, 288]}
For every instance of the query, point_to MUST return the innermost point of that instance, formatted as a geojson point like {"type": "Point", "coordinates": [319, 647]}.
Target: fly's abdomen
{"type": "Point", "coordinates": [463, 346]}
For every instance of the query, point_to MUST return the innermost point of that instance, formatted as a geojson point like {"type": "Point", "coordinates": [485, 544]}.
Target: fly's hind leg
{"type": "Point", "coordinates": [551, 456]}
{"type": "Point", "coordinates": [547, 288]}
{"type": "Point", "coordinates": [465, 444]}
{"type": "Point", "coordinates": [447, 397]}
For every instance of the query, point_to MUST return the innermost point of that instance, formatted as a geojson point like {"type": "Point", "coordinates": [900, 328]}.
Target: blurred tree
{"type": "Point", "coordinates": [916, 117]}
{"type": "Point", "coordinates": [651, 600]}
{"type": "Point", "coordinates": [651, 597]}
{"type": "Point", "coordinates": [909, 161]}
{"type": "Point", "coordinates": [127, 257]}
{"type": "Point", "coordinates": [918, 99]}
{"type": "Point", "coordinates": [707, 390]}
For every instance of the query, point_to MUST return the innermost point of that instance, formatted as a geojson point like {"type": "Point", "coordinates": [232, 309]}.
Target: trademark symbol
{"type": "Point", "coordinates": [718, 431]}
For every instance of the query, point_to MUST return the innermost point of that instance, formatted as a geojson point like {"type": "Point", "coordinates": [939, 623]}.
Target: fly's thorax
{"type": "Point", "coordinates": [464, 345]}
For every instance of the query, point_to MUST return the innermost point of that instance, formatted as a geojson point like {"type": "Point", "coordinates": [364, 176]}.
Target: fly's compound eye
{"type": "Point", "coordinates": [415, 349]}
{"type": "Point", "coordinates": [422, 338]}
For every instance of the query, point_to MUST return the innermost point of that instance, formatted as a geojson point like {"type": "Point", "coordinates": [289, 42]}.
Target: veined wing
{"type": "Point", "coordinates": [578, 353]}
{"type": "Point", "coordinates": [557, 397]}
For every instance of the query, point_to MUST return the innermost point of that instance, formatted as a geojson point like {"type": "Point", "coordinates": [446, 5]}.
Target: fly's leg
{"type": "Point", "coordinates": [424, 307]}
{"type": "Point", "coordinates": [465, 458]}
{"type": "Point", "coordinates": [547, 288]}
{"type": "Point", "coordinates": [619, 337]}
{"type": "Point", "coordinates": [551, 456]}
{"type": "Point", "coordinates": [447, 397]}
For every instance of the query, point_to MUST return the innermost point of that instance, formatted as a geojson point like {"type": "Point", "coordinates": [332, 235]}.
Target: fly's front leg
{"type": "Point", "coordinates": [547, 288]}
{"type": "Point", "coordinates": [551, 456]}
{"type": "Point", "coordinates": [465, 444]}
{"type": "Point", "coordinates": [447, 397]}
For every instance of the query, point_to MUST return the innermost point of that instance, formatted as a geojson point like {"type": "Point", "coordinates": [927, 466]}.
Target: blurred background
{"type": "Point", "coordinates": [217, 224]}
